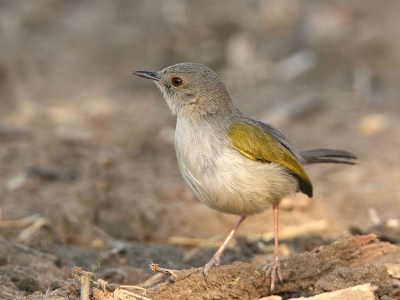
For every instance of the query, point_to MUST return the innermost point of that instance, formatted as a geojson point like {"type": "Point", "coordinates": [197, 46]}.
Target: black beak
{"type": "Point", "coordinates": [147, 74]}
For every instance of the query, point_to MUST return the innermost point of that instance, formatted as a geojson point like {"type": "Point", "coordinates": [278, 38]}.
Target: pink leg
{"type": "Point", "coordinates": [275, 266]}
{"type": "Point", "coordinates": [216, 259]}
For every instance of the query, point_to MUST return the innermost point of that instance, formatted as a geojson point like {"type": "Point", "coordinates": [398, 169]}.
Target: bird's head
{"type": "Point", "coordinates": [191, 90]}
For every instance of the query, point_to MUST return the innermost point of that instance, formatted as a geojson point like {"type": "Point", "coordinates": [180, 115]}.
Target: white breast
{"type": "Point", "coordinates": [223, 178]}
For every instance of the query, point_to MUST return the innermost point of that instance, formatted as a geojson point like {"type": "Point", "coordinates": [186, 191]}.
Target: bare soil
{"type": "Point", "coordinates": [88, 175]}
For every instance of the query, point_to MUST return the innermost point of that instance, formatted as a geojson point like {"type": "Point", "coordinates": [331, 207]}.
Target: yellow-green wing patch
{"type": "Point", "coordinates": [257, 144]}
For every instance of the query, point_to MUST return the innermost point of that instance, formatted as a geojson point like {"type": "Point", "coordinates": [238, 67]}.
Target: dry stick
{"type": "Point", "coordinates": [134, 287]}
{"type": "Point", "coordinates": [213, 242]}
{"type": "Point", "coordinates": [118, 292]}
{"type": "Point", "coordinates": [121, 294]}
{"type": "Point", "coordinates": [185, 241]}
{"type": "Point", "coordinates": [84, 279]}
{"type": "Point", "coordinates": [289, 232]}
{"type": "Point", "coordinates": [315, 226]}
{"type": "Point", "coordinates": [18, 223]}
{"type": "Point", "coordinates": [156, 278]}
{"type": "Point", "coordinates": [157, 268]}
{"type": "Point", "coordinates": [109, 287]}
{"type": "Point", "coordinates": [29, 232]}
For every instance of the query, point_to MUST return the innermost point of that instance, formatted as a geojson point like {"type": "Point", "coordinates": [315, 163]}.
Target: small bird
{"type": "Point", "coordinates": [233, 163]}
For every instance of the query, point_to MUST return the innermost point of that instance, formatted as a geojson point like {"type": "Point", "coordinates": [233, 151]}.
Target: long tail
{"type": "Point", "coordinates": [316, 156]}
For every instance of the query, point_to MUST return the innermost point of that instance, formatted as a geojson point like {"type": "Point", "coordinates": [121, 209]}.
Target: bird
{"type": "Point", "coordinates": [233, 163]}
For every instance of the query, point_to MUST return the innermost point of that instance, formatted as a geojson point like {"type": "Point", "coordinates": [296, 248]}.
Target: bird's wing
{"type": "Point", "coordinates": [258, 144]}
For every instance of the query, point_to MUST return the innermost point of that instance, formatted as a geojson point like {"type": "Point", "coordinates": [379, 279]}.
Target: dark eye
{"type": "Point", "coordinates": [177, 81]}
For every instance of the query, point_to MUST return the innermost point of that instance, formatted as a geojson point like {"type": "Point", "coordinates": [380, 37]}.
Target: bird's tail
{"type": "Point", "coordinates": [316, 156]}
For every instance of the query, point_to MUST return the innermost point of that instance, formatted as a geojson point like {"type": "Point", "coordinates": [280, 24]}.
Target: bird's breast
{"type": "Point", "coordinates": [224, 179]}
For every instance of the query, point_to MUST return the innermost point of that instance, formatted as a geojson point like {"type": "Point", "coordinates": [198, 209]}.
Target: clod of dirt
{"type": "Point", "coordinates": [346, 277]}
{"type": "Point", "coordinates": [25, 269]}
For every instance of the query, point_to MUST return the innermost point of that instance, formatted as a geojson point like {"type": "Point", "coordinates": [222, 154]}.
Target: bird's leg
{"type": "Point", "coordinates": [275, 266]}
{"type": "Point", "coordinates": [216, 259]}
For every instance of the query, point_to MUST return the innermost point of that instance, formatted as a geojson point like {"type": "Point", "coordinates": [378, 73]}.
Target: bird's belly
{"type": "Point", "coordinates": [232, 183]}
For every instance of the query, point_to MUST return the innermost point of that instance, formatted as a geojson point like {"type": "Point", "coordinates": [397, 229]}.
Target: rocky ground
{"type": "Point", "coordinates": [88, 175]}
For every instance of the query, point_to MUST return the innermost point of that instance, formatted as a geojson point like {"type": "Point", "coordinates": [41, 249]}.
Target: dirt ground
{"type": "Point", "coordinates": [88, 174]}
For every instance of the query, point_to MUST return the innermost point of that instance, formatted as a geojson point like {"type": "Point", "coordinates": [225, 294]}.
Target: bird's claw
{"type": "Point", "coordinates": [215, 261]}
{"type": "Point", "coordinates": [274, 269]}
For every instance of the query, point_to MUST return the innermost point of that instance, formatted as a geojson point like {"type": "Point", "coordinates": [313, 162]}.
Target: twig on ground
{"type": "Point", "coordinates": [213, 242]}
{"type": "Point", "coordinates": [153, 279]}
{"type": "Point", "coordinates": [157, 268]}
{"type": "Point", "coordinates": [185, 241]}
{"type": "Point", "coordinates": [18, 223]}
{"type": "Point", "coordinates": [122, 294]}
{"type": "Point", "coordinates": [290, 232]}
{"type": "Point", "coordinates": [135, 287]}
{"type": "Point", "coordinates": [117, 291]}
{"type": "Point", "coordinates": [84, 278]}
{"type": "Point", "coordinates": [28, 232]}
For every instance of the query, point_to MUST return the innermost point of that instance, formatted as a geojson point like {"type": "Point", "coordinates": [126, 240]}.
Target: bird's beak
{"type": "Point", "coordinates": [148, 75]}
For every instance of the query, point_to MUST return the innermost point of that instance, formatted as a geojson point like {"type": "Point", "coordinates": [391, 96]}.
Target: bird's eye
{"type": "Point", "coordinates": [177, 81]}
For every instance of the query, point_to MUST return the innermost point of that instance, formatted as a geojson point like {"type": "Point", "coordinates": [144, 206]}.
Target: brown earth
{"type": "Point", "coordinates": [88, 175]}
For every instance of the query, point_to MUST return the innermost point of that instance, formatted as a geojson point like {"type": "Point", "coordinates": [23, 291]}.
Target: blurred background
{"type": "Point", "coordinates": [87, 148]}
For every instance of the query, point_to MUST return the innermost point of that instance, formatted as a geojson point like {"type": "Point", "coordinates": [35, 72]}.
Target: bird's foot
{"type": "Point", "coordinates": [274, 269]}
{"type": "Point", "coordinates": [215, 261]}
